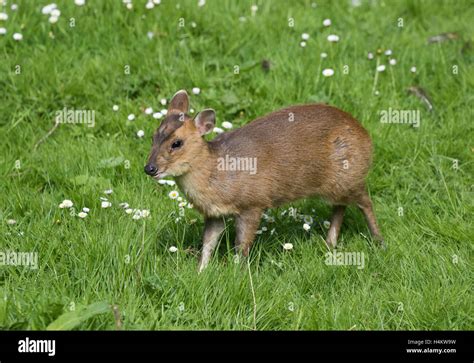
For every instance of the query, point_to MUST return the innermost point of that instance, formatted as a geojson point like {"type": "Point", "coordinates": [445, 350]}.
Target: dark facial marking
{"type": "Point", "coordinates": [169, 125]}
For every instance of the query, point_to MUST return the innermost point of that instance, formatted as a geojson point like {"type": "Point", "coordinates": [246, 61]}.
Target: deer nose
{"type": "Point", "coordinates": [150, 169]}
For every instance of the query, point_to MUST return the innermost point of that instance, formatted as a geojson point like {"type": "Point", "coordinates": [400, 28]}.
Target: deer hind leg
{"type": "Point", "coordinates": [336, 222]}
{"type": "Point", "coordinates": [365, 205]}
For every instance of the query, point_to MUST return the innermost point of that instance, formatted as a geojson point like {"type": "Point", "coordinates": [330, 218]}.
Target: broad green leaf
{"type": "Point", "coordinates": [72, 319]}
{"type": "Point", "coordinates": [229, 98]}
{"type": "Point", "coordinates": [111, 162]}
{"type": "Point", "coordinates": [89, 180]}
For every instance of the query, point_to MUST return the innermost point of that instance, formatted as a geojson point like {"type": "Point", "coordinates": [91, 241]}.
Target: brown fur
{"type": "Point", "coordinates": [301, 151]}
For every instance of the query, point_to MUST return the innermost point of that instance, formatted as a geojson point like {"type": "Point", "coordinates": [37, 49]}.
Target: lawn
{"type": "Point", "coordinates": [110, 270]}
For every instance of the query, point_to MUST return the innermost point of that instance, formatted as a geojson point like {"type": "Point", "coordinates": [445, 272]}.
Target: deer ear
{"type": "Point", "coordinates": [205, 121]}
{"type": "Point", "coordinates": [179, 102]}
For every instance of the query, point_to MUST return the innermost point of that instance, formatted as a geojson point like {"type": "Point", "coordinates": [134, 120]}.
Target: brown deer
{"type": "Point", "coordinates": [296, 152]}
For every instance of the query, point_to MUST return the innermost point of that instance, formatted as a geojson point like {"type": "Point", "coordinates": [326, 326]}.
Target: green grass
{"type": "Point", "coordinates": [423, 280]}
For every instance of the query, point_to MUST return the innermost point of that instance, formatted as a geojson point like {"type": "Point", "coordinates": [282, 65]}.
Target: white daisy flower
{"type": "Point", "coordinates": [48, 9]}
{"type": "Point", "coordinates": [173, 194]}
{"type": "Point", "coordinates": [66, 204]}
{"type": "Point", "coordinates": [136, 216]}
{"type": "Point", "coordinates": [108, 191]}
{"type": "Point", "coordinates": [413, 69]}
{"type": "Point", "coordinates": [149, 5]}
{"type": "Point", "coordinates": [163, 101]}
{"type": "Point", "coordinates": [388, 52]}
{"type": "Point", "coordinates": [288, 246]}
{"type": "Point", "coordinates": [302, 44]}
{"type": "Point", "coordinates": [182, 204]}
{"type": "Point", "coordinates": [150, 35]}
{"type": "Point", "coordinates": [173, 249]}
{"type": "Point", "coordinates": [196, 90]}
{"type": "Point", "coordinates": [164, 111]}
{"type": "Point", "coordinates": [85, 210]}
{"type": "Point", "coordinates": [14, 7]}
{"type": "Point", "coordinates": [306, 227]}
{"type": "Point", "coordinates": [56, 13]}
{"type": "Point", "coordinates": [131, 117]}
{"type": "Point", "coordinates": [370, 56]}
{"type": "Point", "coordinates": [157, 115]}
{"type": "Point", "coordinates": [327, 22]}
{"type": "Point", "coordinates": [170, 182]}
{"type": "Point", "coordinates": [324, 55]}
{"type": "Point", "coordinates": [140, 133]}
{"type": "Point", "coordinates": [393, 61]}
{"type": "Point", "coordinates": [80, 2]}
{"type": "Point", "coordinates": [129, 210]}
{"type": "Point", "coordinates": [264, 229]}
{"type": "Point", "coordinates": [305, 36]}
{"type": "Point", "coordinates": [227, 125]}
{"type": "Point", "coordinates": [145, 213]}
{"type": "Point", "coordinates": [333, 38]}
{"type": "Point", "coordinates": [115, 107]}
{"type": "Point", "coordinates": [106, 204]}
{"type": "Point", "coordinates": [11, 222]}
{"type": "Point", "coordinates": [3, 31]}
{"type": "Point", "coordinates": [82, 215]}
{"type": "Point", "coordinates": [179, 199]}
{"type": "Point", "coordinates": [123, 205]}
{"type": "Point", "coordinates": [17, 36]}
{"type": "Point", "coordinates": [381, 68]}
{"type": "Point", "coordinates": [103, 198]}
{"type": "Point", "coordinates": [254, 9]}
{"type": "Point", "coordinates": [308, 219]}
{"type": "Point", "coordinates": [326, 224]}
{"type": "Point", "coordinates": [129, 6]}
{"type": "Point", "coordinates": [148, 110]}
{"type": "Point", "coordinates": [3, 16]}
{"type": "Point", "coordinates": [53, 19]}
{"type": "Point", "coordinates": [157, 2]}
{"type": "Point", "coordinates": [328, 72]}
{"type": "Point", "coordinates": [218, 130]}
{"type": "Point", "coordinates": [190, 205]}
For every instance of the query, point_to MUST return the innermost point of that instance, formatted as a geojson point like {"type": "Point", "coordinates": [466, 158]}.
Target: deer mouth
{"type": "Point", "coordinates": [159, 175]}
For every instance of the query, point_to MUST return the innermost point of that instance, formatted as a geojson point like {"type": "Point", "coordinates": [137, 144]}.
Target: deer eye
{"type": "Point", "coordinates": [176, 144]}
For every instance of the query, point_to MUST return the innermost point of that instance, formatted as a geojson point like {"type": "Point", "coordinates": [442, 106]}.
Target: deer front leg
{"type": "Point", "coordinates": [246, 225]}
{"type": "Point", "coordinates": [212, 230]}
